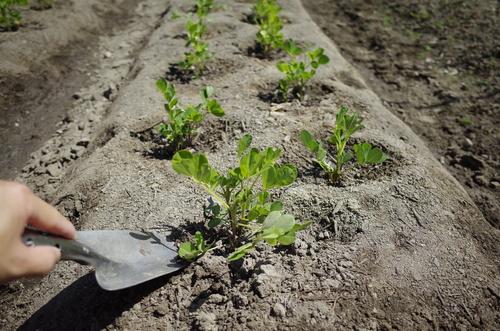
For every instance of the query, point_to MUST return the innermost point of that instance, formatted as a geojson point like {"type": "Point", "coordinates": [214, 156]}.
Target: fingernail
{"type": "Point", "coordinates": [68, 229]}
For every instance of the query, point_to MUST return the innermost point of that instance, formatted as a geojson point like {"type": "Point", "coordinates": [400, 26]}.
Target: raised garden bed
{"type": "Point", "coordinates": [399, 245]}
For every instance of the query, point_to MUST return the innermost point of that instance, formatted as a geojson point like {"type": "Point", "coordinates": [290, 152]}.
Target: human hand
{"type": "Point", "coordinates": [20, 207]}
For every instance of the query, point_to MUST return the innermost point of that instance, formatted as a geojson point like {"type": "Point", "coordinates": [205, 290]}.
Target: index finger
{"type": "Point", "coordinates": [46, 218]}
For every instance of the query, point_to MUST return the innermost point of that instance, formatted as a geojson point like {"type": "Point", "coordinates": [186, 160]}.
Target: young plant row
{"type": "Point", "coordinates": [297, 70]}
{"type": "Point", "coordinates": [10, 18]}
{"type": "Point", "coordinates": [241, 205]}
{"type": "Point", "coordinates": [198, 54]}
{"type": "Point", "coordinates": [242, 210]}
{"type": "Point", "coordinates": [301, 65]}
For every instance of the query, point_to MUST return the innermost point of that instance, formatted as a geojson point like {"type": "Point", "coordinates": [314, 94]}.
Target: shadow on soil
{"type": "Point", "coordinates": [85, 306]}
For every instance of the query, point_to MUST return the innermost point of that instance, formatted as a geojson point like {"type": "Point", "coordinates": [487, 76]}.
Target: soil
{"type": "Point", "coordinates": [435, 65]}
{"type": "Point", "coordinates": [48, 78]}
{"type": "Point", "coordinates": [400, 246]}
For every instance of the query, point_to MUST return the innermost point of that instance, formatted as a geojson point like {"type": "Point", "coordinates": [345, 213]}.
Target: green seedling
{"type": "Point", "coordinates": [241, 206]}
{"type": "Point", "coordinates": [465, 121]}
{"type": "Point", "coordinates": [203, 7]}
{"type": "Point", "coordinates": [190, 251]}
{"type": "Point", "coordinates": [269, 36]}
{"type": "Point", "coordinates": [298, 72]}
{"type": "Point", "coordinates": [346, 125]}
{"type": "Point", "coordinates": [183, 123]}
{"type": "Point", "coordinates": [197, 57]}
{"type": "Point", "coordinates": [367, 154]}
{"type": "Point", "coordinates": [175, 15]}
{"type": "Point", "coordinates": [10, 18]}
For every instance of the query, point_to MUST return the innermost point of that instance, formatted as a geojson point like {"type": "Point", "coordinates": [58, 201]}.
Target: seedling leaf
{"type": "Point", "coordinates": [192, 250]}
{"type": "Point", "coordinates": [240, 252]}
{"type": "Point", "coordinates": [214, 108]}
{"type": "Point", "coordinates": [345, 126]}
{"type": "Point", "coordinates": [279, 176]}
{"type": "Point", "coordinates": [366, 154]}
{"type": "Point", "coordinates": [243, 207]}
{"type": "Point", "coordinates": [244, 143]}
{"type": "Point", "coordinates": [196, 167]}
{"type": "Point", "coordinates": [298, 72]}
{"type": "Point", "coordinates": [184, 122]}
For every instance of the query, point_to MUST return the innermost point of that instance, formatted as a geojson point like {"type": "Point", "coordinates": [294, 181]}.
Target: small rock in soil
{"type": "Point", "coordinates": [240, 301]}
{"type": "Point", "coordinates": [324, 235]}
{"type": "Point", "coordinates": [468, 144]}
{"type": "Point", "coordinates": [494, 185]}
{"type": "Point", "coordinates": [54, 170]}
{"type": "Point", "coordinates": [206, 321]}
{"type": "Point", "coordinates": [161, 311]}
{"type": "Point", "coordinates": [266, 281]}
{"type": "Point", "coordinates": [65, 155]}
{"type": "Point", "coordinates": [279, 310]}
{"type": "Point", "coordinates": [83, 142]}
{"type": "Point", "coordinates": [77, 150]}
{"type": "Point", "coordinates": [300, 247]}
{"type": "Point", "coordinates": [268, 271]}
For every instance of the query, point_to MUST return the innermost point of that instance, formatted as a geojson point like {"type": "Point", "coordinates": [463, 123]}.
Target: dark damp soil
{"type": "Point", "coordinates": [435, 64]}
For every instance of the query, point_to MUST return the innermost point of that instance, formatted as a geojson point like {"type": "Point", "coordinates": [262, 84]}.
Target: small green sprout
{"type": "Point", "coordinates": [203, 7]}
{"type": "Point", "coordinates": [190, 251]}
{"type": "Point", "coordinates": [367, 154]}
{"type": "Point", "coordinates": [346, 125]}
{"type": "Point", "coordinates": [269, 36]}
{"type": "Point", "coordinates": [241, 204]}
{"type": "Point", "coordinates": [298, 73]}
{"type": "Point", "coordinates": [196, 58]}
{"type": "Point", "coordinates": [184, 122]}
{"type": "Point", "coordinates": [10, 18]}
{"type": "Point", "coordinates": [465, 121]}
{"type": "Point", "coordinates": [175, 15]}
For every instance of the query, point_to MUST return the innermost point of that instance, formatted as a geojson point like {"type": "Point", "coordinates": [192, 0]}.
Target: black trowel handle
{"type": "Point", "coordinates": [70, 249]}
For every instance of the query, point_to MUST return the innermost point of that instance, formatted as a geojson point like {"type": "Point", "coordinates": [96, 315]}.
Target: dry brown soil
{"type": "Point", "coordinates": [436, 65]}
{"type": "Point", "coordinates": [47, 74]}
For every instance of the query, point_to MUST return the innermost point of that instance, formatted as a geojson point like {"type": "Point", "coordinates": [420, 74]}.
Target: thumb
{"type": "Point", "coordinates": [40, 260]}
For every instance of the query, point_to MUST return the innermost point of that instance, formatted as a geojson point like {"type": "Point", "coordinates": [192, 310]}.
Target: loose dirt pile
{"type": "Point", "coordinates": [402, 247]}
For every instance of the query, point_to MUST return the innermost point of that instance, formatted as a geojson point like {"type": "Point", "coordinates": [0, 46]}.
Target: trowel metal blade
{"type": "Point", "coordinates": [131, 257]}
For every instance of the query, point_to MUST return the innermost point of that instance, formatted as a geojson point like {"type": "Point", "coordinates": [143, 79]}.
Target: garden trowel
{"type": "Point", "coordinates": [121, 258]}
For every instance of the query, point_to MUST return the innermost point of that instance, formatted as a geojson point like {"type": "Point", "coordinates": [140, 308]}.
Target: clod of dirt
{"type": "Point", "coordinates": [471, 162]}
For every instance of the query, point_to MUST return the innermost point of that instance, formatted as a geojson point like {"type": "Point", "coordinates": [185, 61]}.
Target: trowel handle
{"type": "Point", "coordinates": [70, 249]}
